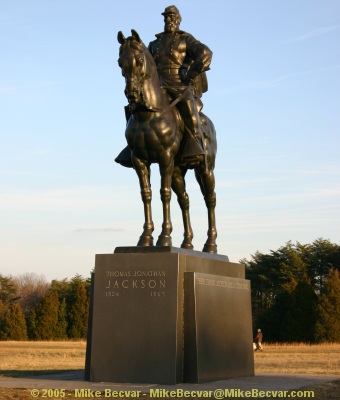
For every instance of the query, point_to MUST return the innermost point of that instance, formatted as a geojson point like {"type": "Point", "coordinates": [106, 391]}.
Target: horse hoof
{"type": "Point", "coordinates": [210, 248]}
{"type": "Point", "coordinates": [186, 245]}
{"type": "Point", "coordinates": [145, 241]}
{"type": "Point", "coordinates": [164, 241]}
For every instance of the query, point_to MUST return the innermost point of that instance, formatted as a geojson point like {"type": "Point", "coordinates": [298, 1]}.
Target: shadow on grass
{"type": "Point", "coordinates": [52, 374]}
{"type": "Point", "coordinates": [326, 391]}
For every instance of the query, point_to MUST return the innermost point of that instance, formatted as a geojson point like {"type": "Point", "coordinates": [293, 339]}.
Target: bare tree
{"type": "Point", "coordinates": [31, 289]}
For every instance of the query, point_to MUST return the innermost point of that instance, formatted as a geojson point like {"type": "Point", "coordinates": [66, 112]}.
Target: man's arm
{"type": "Point", "coordinates": [201, 56]}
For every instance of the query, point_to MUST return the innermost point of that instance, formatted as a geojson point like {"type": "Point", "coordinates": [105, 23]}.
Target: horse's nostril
{"type": "Point", "coordinates": [131, 98]}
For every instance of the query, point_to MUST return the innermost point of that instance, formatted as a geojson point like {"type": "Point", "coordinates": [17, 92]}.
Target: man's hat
{"type": "Point", "coordinates": [171, 10]}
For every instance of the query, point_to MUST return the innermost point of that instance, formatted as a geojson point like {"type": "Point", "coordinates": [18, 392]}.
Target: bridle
{"type": "Point", "coordinates": [142, 60]}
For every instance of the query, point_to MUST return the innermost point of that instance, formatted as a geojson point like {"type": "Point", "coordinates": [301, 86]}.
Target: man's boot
{"type": "Point", "coordinates": [124, 157]}
{"type": "Point", "coordinates": [192, 150]}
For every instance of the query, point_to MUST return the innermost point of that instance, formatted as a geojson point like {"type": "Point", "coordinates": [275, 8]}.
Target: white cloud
{"type": "Point", "coordinates": [273, 82]}
{"type": "Point", "coordinates": [315, 33]}
{"type": "Point", "coordinates": [77, 197]}
{"type": "Point", "coordinates": [73, 197]}
{"type": "Point", "coordinates": [100, 229]}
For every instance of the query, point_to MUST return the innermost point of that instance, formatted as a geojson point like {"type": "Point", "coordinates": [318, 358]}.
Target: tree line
{"type": "Point", "coordinates": [295, 298]}
{"type": "Point", "coordinates": [296, 292]}
{"type": "Point", "coordinates": [33, 309]}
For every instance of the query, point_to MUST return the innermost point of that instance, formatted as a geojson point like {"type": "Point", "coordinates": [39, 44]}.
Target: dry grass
{"type": "Point", "coordinates": [34, 358]}
{"type": "Point", "coordinates": [18, 358]}
{"type": "Point", "coordinates": [299, 359]}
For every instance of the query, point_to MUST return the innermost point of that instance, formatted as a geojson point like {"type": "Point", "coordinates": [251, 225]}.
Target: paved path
{"type": "Point", "coordinates": [74, 380]}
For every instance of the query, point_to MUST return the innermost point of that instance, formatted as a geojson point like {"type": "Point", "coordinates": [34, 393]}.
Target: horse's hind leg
{"type": "Point", "coordinates": [178, 186]}
{"type": "Point", "coordinates": [206, 180]}
{"type": "Point", "coordinates": [166, 168]}
{"type": "Point", "coordinates": [143, 172]}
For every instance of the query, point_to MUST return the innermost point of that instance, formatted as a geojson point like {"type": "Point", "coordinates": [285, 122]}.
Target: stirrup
{"type": "Point", "coordinates": [191, 152]}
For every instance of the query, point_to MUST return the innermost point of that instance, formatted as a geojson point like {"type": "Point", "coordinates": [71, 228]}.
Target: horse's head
{"type": "Point", "coordinates": [133, 64]}
{"type": "Point", "coordinates": [139, 70]}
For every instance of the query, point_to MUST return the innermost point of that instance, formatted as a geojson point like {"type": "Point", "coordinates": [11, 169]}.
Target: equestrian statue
{"type": "Point", "coordinates": [164, 83]}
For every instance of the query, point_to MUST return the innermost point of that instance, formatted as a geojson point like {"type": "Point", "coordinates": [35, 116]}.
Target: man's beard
{"type": "Point", "coordinates": [170, 27]}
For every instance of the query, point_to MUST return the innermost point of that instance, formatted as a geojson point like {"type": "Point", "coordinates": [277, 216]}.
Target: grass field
{"type": "Point", "coordinates": [36, 358]}
{"type": "Point", "coordinates": [299, 359]}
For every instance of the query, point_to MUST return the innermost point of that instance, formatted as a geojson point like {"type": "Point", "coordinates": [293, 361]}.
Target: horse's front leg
{"type": "Point", "coordinates": [178, 186]}
{"type": "Point", "coordinates": [166, 169]}
{"type": "Point", "coordinates": [143, 172]}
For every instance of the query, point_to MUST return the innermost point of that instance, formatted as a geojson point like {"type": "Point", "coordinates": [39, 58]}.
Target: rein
{"type": "Point", "coordinates": [174, 102]}
{"type": "Point", "coordinates": [145, 52]}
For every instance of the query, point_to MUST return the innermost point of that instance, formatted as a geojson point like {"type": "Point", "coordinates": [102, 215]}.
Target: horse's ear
{"type": "Point", "coordinates": [120, 37]}
{"type": "Point", "coordinates": [135, 35]}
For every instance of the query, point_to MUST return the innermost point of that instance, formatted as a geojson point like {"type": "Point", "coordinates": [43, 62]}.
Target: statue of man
{"type": "Point", "coordinates": [181, 62]}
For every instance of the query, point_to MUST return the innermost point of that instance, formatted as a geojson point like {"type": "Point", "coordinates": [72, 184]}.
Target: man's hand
{"type": "Point", "coordinates": [188, 81]}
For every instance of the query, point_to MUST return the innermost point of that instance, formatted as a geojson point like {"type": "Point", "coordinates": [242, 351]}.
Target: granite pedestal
{"type": "Point", "coordinates": [137, 331]}
{"type": "Point", "coordinates": [217, 328]}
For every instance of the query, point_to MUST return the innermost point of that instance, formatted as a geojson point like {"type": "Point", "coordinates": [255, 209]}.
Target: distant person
{"type": "Point", "coordinates": [258, 340]}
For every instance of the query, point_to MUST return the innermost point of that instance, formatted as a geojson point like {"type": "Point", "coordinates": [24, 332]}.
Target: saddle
{"type": "Point", "coordinates": [189, 154]}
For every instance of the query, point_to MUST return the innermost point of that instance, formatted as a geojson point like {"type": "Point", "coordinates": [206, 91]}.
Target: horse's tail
{"type": "Point", "coordinates": [210, 139]}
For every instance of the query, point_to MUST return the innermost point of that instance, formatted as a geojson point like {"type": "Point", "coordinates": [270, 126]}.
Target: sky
{"type": "Point", "coordinates": [274, 89]}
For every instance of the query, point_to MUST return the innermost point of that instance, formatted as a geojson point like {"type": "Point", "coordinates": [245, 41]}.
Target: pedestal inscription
{"type": "Point", "coordinates": [217, 328]}
{"type": "Point", "coordinates": [137, 327]}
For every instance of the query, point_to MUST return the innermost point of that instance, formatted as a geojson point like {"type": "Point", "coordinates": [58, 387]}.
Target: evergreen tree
{"type": "Point", "coordinates": [285, 286]}
{"type": "Point", "coordinates": [78, 314]}
{"type": "Point", "coordinates": [31, 322]}
{"type": "Point", "coordinates": [274, 278]}
{"type": "Point", "coordinates": [63, 288]}
{"type": "Point", "coordinates": [292, 267]}
{"type": "Point", "coordinates": [272, 321]}
{"type": "Point", "coordinates": [4, 315]}
{"type": "Point", "coordinates": [263, 272]}
{"type": "Point", "coordinates": [61, 329]}
{"type": "Point", "coordinates": [8, 289]}
{"type": "Point", "coordinates": [321, 256]}
{"type": "Point", "coordinates": [53, 311]}
{"type": "Point", "coordinates": [328, 324]}
{"type": "Point", "coordinates": [45, 316]}
{"type": "Point", "coordinates": [12, 321]}
{"type": "Point", "coordinates": [13, 324]}
{"type": "Point", "coordinates": [300, 317]}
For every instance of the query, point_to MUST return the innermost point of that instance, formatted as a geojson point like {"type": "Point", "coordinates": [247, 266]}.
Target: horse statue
{"type": "Point", "coordinates": [154, 134]}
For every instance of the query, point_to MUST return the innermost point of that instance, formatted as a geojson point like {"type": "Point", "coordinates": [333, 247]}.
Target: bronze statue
{"type": "Point", "coordinates": [165, 124]}
{"type": "Point", "coordinates": [181, 62]}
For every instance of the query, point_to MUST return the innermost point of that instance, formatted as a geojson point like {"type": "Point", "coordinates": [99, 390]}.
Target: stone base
{"type": "Point", "coordinates": [136, 325]}
{"type": "Point", "coordinates": [217, 328]}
